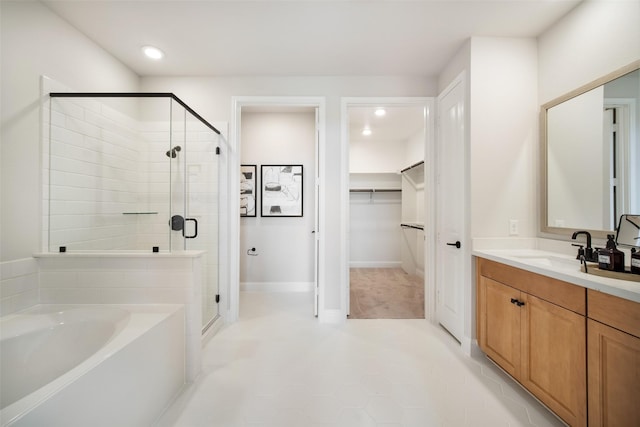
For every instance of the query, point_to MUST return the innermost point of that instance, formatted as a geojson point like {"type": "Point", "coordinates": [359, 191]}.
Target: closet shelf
{"type": "Point", "coordinates": [415, 225]}
{"type": "Point", "coordinates": [413, 166]}
{"type": "Point", "coordinates": [139, 213]}
{"type": "Point", "coordinates": [415, 175]}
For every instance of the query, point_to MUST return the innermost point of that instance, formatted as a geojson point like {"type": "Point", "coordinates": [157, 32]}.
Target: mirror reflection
{"type": "Point", "coordinates": [593, 156]}
{"type": "Point", "coordinates": [629, 231]}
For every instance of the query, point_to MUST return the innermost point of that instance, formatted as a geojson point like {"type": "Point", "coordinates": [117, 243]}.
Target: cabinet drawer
{"type": "Point", "coordinates": [561, 293]}
{"type": "Point", "coordinates": [618, 312]}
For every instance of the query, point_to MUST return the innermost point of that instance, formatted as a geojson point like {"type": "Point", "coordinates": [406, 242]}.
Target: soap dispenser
{"type": "Point", "coordinates": [611, 258]}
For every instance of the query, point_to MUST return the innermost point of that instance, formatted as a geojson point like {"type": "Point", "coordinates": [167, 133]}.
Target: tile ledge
{"type": "Point", "coordinates": [184, 254]}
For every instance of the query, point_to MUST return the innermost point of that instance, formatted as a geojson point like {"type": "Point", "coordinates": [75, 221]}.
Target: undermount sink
{"type": "Point", "coordinates": [551, 261]}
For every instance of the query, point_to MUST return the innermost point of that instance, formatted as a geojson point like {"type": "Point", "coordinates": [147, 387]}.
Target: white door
{"type": "Point", "coordinates": [450, 213]}
{"type": "Point", "coordinates": [316, 230]}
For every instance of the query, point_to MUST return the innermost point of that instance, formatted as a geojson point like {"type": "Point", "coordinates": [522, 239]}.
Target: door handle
{"type": "Point", "coordinates": [195, 232]}
{"type": "Point", "coordinates": [457, 244]}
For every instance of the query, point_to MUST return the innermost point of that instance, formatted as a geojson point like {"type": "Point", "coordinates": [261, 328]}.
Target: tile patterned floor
{"type": "Point", "coordinates": [278, 367]}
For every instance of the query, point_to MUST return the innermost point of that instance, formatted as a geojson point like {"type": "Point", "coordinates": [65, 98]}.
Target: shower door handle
{"type": "Point", "coordinates": [195, 232]}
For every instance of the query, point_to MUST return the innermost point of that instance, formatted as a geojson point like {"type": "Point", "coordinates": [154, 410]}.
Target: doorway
{"type": "Point", "coordinates": [387, 142]}
{"type": "Point", "coordinates": [277, 246]}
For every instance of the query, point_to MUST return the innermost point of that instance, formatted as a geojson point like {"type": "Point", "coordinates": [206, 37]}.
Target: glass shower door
{"type": "Point", "coordinates": [202, 208]}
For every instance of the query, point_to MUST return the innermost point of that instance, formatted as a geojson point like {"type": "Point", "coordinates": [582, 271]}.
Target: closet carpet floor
{"type": "Point", "coordinates": [385, 293]}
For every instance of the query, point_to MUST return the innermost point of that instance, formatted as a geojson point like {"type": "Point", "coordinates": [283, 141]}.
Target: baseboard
{"type": "Point", "coordinates": [375, 264]}
{"type": "Point", "coordinates": [276, 286]}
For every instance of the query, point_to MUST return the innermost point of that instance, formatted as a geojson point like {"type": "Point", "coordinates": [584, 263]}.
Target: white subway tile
{"type": "Point", "coordinates": [170, 264]}
{"type": "Point", "coordinates": [59, 279]}
{"type": "Point", "coordinates": [170, 279]}
{"type": "Point", "coordinates": [18, 284]}
{"type": "Point", "coordinates": [26, 299]}
{"type": "Point", "coordinates": [100, 279]}
{"type": "Point", "coordinates": [6, 306]}
{"type": "Point", "coordinates": [63, 135]}
{"type": "Point", "coordinates": [123, 296]}
{"type": "Point", "coordinates": [69, 296]}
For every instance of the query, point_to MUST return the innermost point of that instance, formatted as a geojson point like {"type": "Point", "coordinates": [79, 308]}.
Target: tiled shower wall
{"type": "Point", "coordinates": [109, 177]}
{"type": "Point", "coordinates": [18, 285]}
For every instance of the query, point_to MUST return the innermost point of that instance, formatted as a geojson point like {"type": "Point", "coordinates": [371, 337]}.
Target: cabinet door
{"type": "Point", "coordinates": [614, 377]}
{"type": "Point", "coordinates": [499, 328]}
{"type": "Point", "coordinates": [554, 358]}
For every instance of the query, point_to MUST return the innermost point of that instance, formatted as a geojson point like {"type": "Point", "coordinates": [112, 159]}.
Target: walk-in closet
{"type": "Point", "coordinates": [386, 212]}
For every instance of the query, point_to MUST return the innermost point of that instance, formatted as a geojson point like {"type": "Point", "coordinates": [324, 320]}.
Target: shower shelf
{"type": "Point", "coordinates": [139, 213]}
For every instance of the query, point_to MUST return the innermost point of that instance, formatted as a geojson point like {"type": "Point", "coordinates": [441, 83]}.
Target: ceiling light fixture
{"type": "Point", "coordinates": [152, 52]}
{"type": "Point", "coordinates": [366, 131]}
{"type": "Point", "coordinates": [380, 112]}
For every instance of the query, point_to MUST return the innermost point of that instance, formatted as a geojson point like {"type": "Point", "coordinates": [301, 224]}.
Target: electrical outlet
{"type": "Point", "coordinates": [513, 227]}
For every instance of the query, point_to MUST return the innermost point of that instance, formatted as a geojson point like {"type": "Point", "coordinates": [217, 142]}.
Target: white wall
{"type": "Point", "coordinates": [374, 230]}
{"type": "Point", "coordinates": [211, 97]}
{"type": "Point", "coordinates": [284, 246]}
{"type": "Point", "coordinates": [36, 42]}
{"type": "Point", "coordinates": [376, 156]}
{"type": "Point", "coordinates": [594, 39]}
{"type": "Point", "coordinates": [414, 148]}
{"type": "Point", "coordinates": [503, 136]}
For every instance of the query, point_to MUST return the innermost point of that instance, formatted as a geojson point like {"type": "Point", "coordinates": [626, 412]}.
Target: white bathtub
{"type": "Point", "coordinates": [79, 365]}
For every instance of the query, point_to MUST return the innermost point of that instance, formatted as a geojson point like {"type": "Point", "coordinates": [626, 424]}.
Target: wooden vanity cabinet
{"type": "Point", "coordinates": [534, 327]}
{"type": "Point", "coordinates": [613, 360]}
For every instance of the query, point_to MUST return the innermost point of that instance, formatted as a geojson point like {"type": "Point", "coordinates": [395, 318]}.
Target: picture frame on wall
{"type": "Point", "coordinates": [248, 190]}
{"type": "Point", "coordinates": [281, 190]}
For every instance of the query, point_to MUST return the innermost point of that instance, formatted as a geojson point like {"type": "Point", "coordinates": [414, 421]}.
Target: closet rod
{"type": "Point", "coordinates": [421, 162]}
{"type": "Point", "coordinates": [374, 190]}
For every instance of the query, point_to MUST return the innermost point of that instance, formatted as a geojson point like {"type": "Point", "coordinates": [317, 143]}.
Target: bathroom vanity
{"type": "Point", "coordinates": [571, 339]}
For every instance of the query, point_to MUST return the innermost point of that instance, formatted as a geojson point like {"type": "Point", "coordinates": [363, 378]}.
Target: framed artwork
{"type": "Point", "coordinates": [281, 193]}
{"type": "Point", "coordinates": [248, 190]}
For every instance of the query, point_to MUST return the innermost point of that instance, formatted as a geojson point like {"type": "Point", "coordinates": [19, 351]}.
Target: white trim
{"type": "Point", "coordinates": [276, 286]}
{"type": "Point", "coordinates": [429, 104]}
{"type": "Point", "coordinates": [375, 264]}
{"type": "Point", "coordinates": [233, 174]}
{"type": "Point", "coordinates": [215, 327]}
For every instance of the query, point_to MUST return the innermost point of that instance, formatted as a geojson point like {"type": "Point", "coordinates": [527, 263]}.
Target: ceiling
{"type": "Point", "coordinates": [397, 125]}
{"type": "Point", "coordinates": [301, 38]}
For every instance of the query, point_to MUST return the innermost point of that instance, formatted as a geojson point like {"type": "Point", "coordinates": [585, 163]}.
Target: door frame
{"type": "Point", "coordinates": [232, 266]}
{"type": "Point", "coordinates": [429, 103]}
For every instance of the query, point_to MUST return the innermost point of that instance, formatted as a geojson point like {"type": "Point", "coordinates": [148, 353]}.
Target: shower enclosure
{"type": "Point", "coordinates": [133, 172]}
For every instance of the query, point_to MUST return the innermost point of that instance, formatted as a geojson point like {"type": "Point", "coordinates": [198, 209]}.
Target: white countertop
{"type": "Point", "coordinates": [563, 267]}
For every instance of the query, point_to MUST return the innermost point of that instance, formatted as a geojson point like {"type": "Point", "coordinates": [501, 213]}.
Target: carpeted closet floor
{"type": "Point", "coordinates": [385, 293]}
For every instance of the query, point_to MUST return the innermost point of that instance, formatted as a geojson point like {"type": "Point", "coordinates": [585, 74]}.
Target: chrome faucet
{"type": "Point", "coordinates": [588, 252]}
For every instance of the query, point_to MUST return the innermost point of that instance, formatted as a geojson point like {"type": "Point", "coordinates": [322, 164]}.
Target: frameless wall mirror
{"type": "Point", "coordinates": [591, 155]}
{"type": "Point", "coordinates": [629, 231]}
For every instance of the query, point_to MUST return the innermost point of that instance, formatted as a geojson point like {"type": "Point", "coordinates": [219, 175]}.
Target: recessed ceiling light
{"type": "Point", "coordinates": [366, 131]}
{"type": "Point", "coordinates": [380, 112]}
{"type": "Point", "coordinates": [153, 52]}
